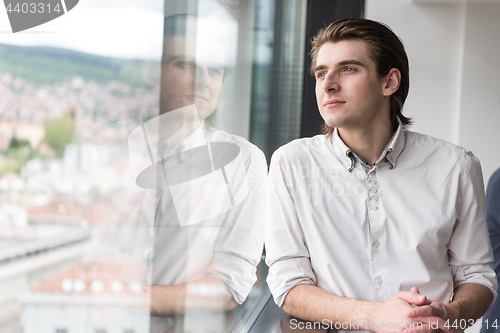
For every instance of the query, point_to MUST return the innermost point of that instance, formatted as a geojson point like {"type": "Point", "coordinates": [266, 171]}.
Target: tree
{"type": "Point", "coordinates": [59, 132]}
{"type": "Point", "coordinates": [18, 143]}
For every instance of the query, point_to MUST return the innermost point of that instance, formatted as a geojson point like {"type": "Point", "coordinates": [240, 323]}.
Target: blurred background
{"type": "Point", "coordinates": [73, 252]}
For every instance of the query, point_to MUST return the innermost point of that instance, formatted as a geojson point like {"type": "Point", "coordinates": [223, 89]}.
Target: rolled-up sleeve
{"type": "Point", "coordinates": [469, 248]}
{"type": "Point", "coordinates": [286, 252]}
{"type": "Point", "coordinates": [238, 250]}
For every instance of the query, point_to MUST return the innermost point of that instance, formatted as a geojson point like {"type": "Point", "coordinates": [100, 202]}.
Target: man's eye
{"type": "Point", "coordinates": [215, 71]}
{"type": "Point", "coordinates": [350, 69]}
{"type": "Point", "coordinates": [320, 74]}
{"type": "Point", "coordinates": [186, 64]}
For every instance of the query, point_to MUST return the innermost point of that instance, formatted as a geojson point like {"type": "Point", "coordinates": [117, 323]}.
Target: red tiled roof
{"type": "Point", "coordinates": [58, 208]}
{"type": "Point", "coordinates": [108, 273]}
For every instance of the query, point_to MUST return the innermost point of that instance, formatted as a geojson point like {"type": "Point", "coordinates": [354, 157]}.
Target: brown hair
{"type": "Point", "coordinates": [387, 51]}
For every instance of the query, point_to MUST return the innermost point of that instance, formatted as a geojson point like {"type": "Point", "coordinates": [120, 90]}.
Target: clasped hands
{"type": "Point", "coordinates": [399, 314]}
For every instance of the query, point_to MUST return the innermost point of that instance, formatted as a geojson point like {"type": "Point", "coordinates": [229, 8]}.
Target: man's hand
{"type": "Point", "coordinates": [433, 314]}
{"type": "Point", "coordinates": [470, 302]}
{"type": "Point", "coordinates": [438, 316]}
{"type": "Point", "coordinates": [396, 314]}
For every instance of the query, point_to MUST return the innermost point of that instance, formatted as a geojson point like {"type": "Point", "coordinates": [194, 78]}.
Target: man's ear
{"type": "Point", "coordinates": [392, 81]}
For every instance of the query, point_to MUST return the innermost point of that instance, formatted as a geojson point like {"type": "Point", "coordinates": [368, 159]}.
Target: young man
{"type": "Point", "coordinates": [372, 226]}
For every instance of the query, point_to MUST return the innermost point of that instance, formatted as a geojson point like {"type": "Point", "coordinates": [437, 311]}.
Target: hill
{"type": "Point", "coordinates": [50, 65]}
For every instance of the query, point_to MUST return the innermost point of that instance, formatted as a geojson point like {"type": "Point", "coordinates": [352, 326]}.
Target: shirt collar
{"type": "Point", "coordinates": [189, 140]}
{"type": "Point", "coordinates": [396, 145]}
{"type": "Point", "coordinates": [391, 152]}
{"type": "Point", "coordinates": [341, 150]}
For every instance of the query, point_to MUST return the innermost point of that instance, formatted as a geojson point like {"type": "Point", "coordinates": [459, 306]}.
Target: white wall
{"type": "Point", "coordinates": [453, 50]}
{"type": "Point", "coordinates": [480, 99]}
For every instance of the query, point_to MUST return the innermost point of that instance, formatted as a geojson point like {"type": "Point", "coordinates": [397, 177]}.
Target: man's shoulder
{"type": "Point", "coordinates": [247, 148]}
{"type": "Point", "coordinates": [495, 179]}
{"type": "Point", "coordinates": [220, 135]}
{"type": "Point", "coordinates": [303, 145]}
{"type": "Point", "coordinates": [427, 144]}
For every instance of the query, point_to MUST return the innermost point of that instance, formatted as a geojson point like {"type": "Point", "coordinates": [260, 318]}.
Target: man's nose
{"type": "Point", "coordinates": [201, 79]}
{"type": "Point", "coordinates": [330, 82]}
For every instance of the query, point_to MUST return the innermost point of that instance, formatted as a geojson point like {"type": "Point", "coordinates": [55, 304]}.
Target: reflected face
{"type": "Point", "coordinates": [192, 73]}
{"type": "Point", "coordinates": [349, 90]}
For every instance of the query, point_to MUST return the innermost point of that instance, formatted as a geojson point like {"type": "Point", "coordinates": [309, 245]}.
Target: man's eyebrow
{"type": "Point", "coordinates": [172, 57]}
{"type": "Point", "coordinates": [340, 64]}
{"type": "Point", "coordinates": [176, 56]}
{"type": "Point", "coordinates": [350, 62]}
{"type": "Point", "coordinates": [320, 67]}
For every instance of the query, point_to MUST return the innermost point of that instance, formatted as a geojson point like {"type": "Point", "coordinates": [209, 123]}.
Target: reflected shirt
{"type": "Point", "coordinates": [227, 246]}
{"type": "Point", "coordinates": [416, 218]}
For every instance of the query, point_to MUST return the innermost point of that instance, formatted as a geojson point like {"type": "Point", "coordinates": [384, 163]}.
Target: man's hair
{"type": "Point", "coordinates": [180, 25]}
{"type": "Point", "coordinates": [387, 51]}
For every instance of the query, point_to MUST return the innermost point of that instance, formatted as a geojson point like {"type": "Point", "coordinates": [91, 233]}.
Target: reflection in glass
{"type": "Point", "coordinates": [206, 211]}
{"type": "Point", "coordinates": [96, 222]}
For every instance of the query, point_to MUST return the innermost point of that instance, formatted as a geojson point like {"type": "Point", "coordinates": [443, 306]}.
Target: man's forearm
{"type": "Point", "coordinates": [312, 303]}
{"type": "Point", "coordinates": [167, 300]}
{"type": "Point", "coordinates": [206, 295]}
{"type": "Point", "coordinates": [470, 301]}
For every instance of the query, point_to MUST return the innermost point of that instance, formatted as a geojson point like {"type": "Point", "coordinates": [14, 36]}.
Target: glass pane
{"type": "Point", "coordinates": [277, 73]}
{"type": "Point", "coordinates": [71, 252]}
{"type": "Point", "coordinates": [127, 182]}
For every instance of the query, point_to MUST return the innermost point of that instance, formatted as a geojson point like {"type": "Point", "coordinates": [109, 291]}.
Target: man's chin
{"type": "Point", "coordinates": [169, 106]}
{"type": "Point", "coordinates": [333, 122]}
{"type": "Point", "coordinates": [203, 112]}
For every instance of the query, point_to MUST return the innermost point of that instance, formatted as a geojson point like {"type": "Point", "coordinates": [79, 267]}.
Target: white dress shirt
{"type": "Point", "coordinates": [227, 246]}
{"type": "Point", "coordinates": [415, 218]}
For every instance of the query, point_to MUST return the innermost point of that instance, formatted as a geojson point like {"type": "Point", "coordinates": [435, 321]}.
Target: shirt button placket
{"type": "Point", "coordinates": [376, 232]}
{"type": "Point", "coordinates": [372, 183]}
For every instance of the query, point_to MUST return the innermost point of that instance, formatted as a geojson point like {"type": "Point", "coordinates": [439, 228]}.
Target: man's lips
{"type": "Point", "coordinates": [333, 103]}
{"type": "Point", "coordinates": [199, 97]}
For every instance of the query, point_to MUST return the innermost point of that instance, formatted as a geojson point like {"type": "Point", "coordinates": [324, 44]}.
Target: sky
{"type": "Point", "coordinates": [131, 29]}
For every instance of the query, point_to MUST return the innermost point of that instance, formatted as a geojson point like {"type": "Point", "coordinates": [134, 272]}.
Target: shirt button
{"type": "Point", "coordinates": [373, 182]}
{"type": "Point", "coordinates": [377, 244]}
{"type": "Point", "coordinates": [373, 190]}
{"type": "Point", "coordinates": [379, 280]}
{"type": "Point", "coordinates": [374, 199]}
{"type": "Point", "coordinates": [374, 208]}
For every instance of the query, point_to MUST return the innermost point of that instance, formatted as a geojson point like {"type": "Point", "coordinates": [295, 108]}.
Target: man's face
{"type": "Point", "coordinates": [191, 73]}
{"type": "Point", "coordinates": [349, 91]}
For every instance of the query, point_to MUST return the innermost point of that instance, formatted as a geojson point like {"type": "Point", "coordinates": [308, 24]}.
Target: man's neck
{"type": "Point", "coordinates": [368, 143]}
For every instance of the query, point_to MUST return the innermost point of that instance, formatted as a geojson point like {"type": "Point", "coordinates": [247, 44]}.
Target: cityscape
{"type": "Point", "coordinates": [73, 246]}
